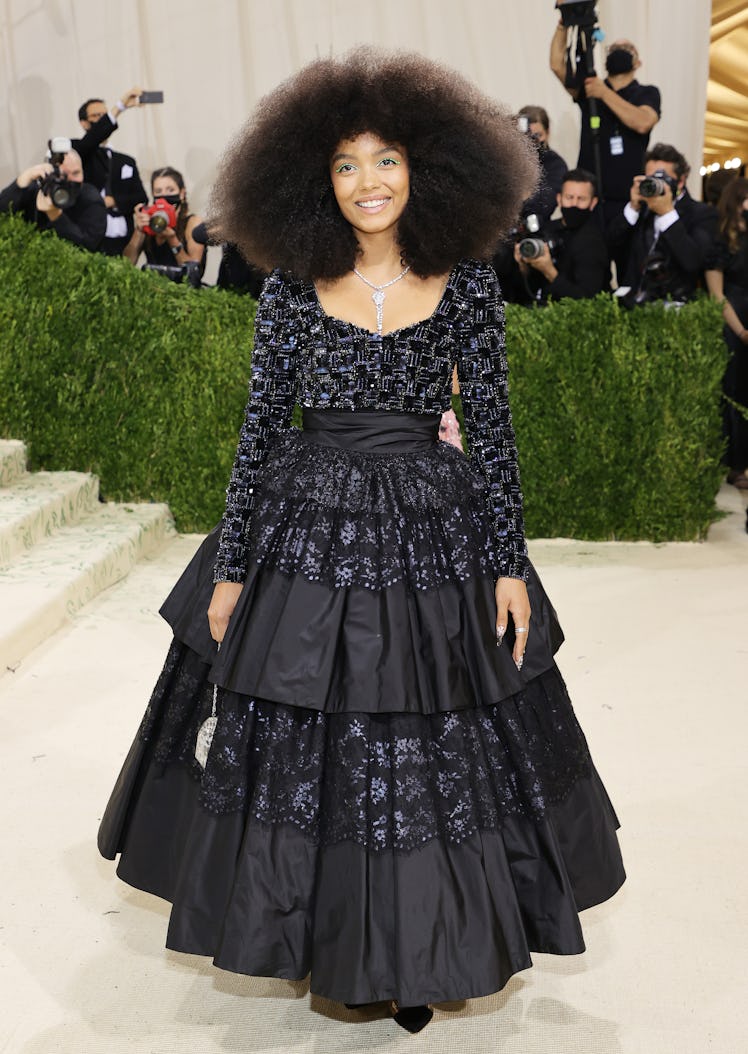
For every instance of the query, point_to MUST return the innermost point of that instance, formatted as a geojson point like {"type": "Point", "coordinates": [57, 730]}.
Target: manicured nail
{"type": "Point", "coordinates": [500, 631]}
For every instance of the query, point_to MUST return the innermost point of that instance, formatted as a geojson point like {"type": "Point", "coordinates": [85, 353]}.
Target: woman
{"type": "Point", "coordinates": [727, 281]}
{"type": "Point", "coordinates": [396, 796]}
{"type": "Point", "coordinates": [175, 246]}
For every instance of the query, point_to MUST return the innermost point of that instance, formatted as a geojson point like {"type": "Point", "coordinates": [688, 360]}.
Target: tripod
{"type": "Point", "coordinates": [588, 33]}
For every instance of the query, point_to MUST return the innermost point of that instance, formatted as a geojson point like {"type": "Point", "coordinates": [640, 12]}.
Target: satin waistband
{"type": "Point", "coordinates": [387, 433]}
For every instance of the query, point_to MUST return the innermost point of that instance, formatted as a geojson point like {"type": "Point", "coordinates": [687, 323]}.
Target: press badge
{"type": "Point", "coordinates": [616, 145]}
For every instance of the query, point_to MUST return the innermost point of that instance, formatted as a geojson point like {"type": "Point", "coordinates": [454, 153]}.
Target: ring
{"type": "Point", "coordinates": [521, 629]}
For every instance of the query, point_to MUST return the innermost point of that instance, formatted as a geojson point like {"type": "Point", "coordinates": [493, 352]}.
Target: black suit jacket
{"type": "Point", "coordinates": [682, 250]}
{"type": "Point", "coordinates": [84, 223]}
{"type": "Point", "coordinates": [114, 173]}
{"type": "Point", "coordinates": [582, 262]}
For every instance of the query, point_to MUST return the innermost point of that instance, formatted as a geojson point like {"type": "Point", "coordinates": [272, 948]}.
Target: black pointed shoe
{"type": "Point", "coordinates": [412, 1018]}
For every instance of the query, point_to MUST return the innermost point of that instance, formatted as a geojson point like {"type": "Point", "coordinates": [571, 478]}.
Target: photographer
{"type": "Point", "coordinates": [114, 175]}
{"type": "Point", "coordinates": [571, 259]}
{"type": "Point", "coordinates": [174, 247]}
{"type": "Point", "coordinates": [236, 274]}
{"type": "Point", "coordinates": [668, 235]}
{"type": "Point", "coordinates": [727, 281]}
{"type": "Point", "coordinates": [82, 221]}
{"type": "Point", "coordinates": [553, 168]}
{"type": "Point", "coordinates": [537, 209]}
{"type": "Point", "coordinates": [628, 111]}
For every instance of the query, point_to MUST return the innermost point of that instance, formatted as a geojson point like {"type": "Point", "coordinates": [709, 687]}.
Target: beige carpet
{"type": "Point", "coordinates": [656, 660]}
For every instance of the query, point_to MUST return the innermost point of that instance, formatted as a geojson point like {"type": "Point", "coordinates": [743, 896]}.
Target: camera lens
{"type": "Point", "coordinates": [61, 197]}
{"type": "Point", "coordinates": [531, 248]}
{"type": "Point", "coordinates": [158, 222]}
{"type": "Point", "coordinates": [652, 187]}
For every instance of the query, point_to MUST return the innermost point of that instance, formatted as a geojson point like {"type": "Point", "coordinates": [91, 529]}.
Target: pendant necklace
{"type": "Point", "coordinates": [378, 295]}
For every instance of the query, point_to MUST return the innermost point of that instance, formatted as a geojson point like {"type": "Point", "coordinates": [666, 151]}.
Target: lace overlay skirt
{"type": "Point", "coordinates": [388, 804]}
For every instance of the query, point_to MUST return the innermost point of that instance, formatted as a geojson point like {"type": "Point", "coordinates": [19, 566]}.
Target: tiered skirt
{"type": "Point", "coordinates": [388, 804]}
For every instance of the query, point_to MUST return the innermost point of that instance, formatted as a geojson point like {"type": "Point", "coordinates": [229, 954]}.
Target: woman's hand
{"type": "Point", "coordinates": [512, 599]}
{"type": "Point", "coordinates": [222, 604]}
{"type": "Point", "coordinates": [140, 218]}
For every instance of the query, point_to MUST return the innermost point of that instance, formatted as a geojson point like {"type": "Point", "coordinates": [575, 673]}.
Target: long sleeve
{"type": "Point", "coordinates": [18, 199]}
{"type": "Point", "coordinates": [482, 372]}
{"type": "Point", "coordinates": [272, 396]}
{"type": "Point", "coordinates": [553, 168]}
{"type": "Point", "coordinates": [98, 132]}
{"type": "Point", "coordinates": [691, 238]}
{"type": "Point", "coordinates": [84, 224]}
{"type": "Point", "coordinates": [129, 192]}
{"type": "Point", "coordinates": [619, 232]}
{"type": "Point", "coordinates": [584, 270]}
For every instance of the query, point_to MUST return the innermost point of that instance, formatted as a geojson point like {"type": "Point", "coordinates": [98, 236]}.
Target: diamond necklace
{"type": "Point", "coordinates": [378, 295]}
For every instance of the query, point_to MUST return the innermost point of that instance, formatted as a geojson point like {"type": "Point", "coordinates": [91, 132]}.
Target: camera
{"type": "Point", "coordinates": [529, 224]}
{"type": "Point", "coordinates": [62, 191]}
{"type": "Point", "coordinates": [523, 124]}
{"type": "Point", "coordinates": [579, 13]}
{"type": "Point", "coordinates": [530, 248]}
{"type": "Point", "coordinates": [162, 215]}
{"type": "Point", "coordinates": [188, 273]}
{"type": "Point", "coordinates": [657, 284]}
{"type": "Point", "coordinates": [656, 185]}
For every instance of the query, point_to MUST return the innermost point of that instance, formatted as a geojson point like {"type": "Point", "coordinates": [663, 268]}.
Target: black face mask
{"type": "Point", "coordinates": [574, 216]}
{"type": "Point", "coordinates": [619, 61]}
{"type": "Point", "coordinates": [171, 199]}
{"type": "Point", "coordinates": [744, 214]}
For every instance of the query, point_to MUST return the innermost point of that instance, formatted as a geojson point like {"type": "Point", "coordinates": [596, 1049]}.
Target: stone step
{"type": "Point", "coordinates": [40, 503]}
{"type": "Point", "coordinates": [45, 585]}
{"type": "Point", "coordinates": [12, 461]}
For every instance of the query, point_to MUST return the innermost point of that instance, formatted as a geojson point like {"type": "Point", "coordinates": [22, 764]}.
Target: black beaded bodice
{"type": "Point", "coordinates": [302, 355]}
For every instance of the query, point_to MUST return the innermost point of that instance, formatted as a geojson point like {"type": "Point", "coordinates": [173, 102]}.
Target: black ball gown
{"type": "Point", "coordinates": [388, 804]}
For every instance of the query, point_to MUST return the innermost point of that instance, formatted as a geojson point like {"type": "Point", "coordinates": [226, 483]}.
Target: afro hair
{"type": "Point", "coordinates": [470, 168]}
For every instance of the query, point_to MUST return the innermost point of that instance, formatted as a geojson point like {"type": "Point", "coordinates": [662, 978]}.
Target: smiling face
{"type": "Point", "coordinates": [371, 182]}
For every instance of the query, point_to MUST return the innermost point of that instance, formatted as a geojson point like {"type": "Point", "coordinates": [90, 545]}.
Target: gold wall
{"type": "Point", "coordinates": [726, 119]}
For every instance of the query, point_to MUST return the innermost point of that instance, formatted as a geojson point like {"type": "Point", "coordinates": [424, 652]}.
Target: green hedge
{"type": "Point", "coordinates": [618, 417]}
{"type": "Point", "coordinates": [109, 370]}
